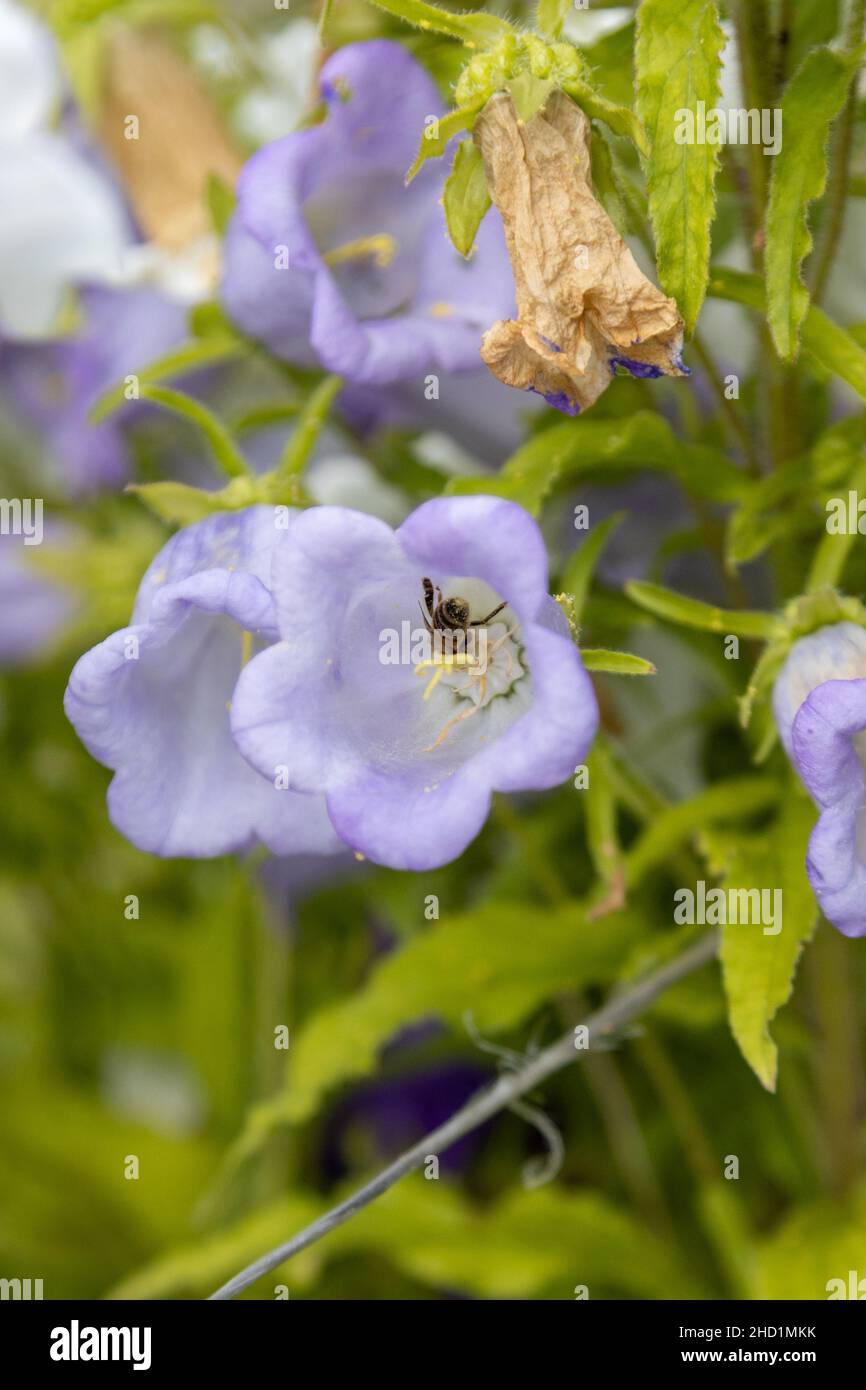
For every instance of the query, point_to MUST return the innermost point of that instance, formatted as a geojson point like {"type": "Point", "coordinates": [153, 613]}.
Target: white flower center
{"type": "Point", "coordinates": [494, 666]}
{"type": "Point", "coordinates": [487, 666]}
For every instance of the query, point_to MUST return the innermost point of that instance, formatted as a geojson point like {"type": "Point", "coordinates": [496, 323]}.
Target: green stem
{"type": "Point", "coordinates": [302, 441]}
{"type": "Point", "coordinates": [783, 45]}
{"type": "Point", "coordinates": [838, 1057]}
{"type": "Point", "coordinates": [753, 38]}
{"type": "Point", "coordinates": [730, 414]}
{"type": "Point", "coordinates": [837, 191]}
{"type": "Point", "coordinates": [699, 1152]}
{"type": "Point", "coordinates": [626, 1142]}
{"type": "Point", "coordinates": [547, 878]}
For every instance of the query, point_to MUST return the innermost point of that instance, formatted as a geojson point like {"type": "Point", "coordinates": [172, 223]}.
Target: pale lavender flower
{"type": "Point", "coordinates": [33, 609]}
{"type": "Point", "coordinates": [820, 706]}
{"type": "Point", "coordinates": [330, 258]}
{"type": "Point", "coordinates": [408, 766]}
{"type": "Point", "coordinates": [152, 701]}
{"type": "Point", "coordinates": [52, 386]}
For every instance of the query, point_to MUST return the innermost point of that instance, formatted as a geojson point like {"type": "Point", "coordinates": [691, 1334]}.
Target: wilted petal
{"type": "Point", "coordinates": [584, 306]}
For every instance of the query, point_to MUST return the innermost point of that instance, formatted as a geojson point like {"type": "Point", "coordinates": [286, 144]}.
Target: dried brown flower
{"type": "Point", "coordinates": [179, 141]}
{"type": "Point", "coordinates": [584, 306]}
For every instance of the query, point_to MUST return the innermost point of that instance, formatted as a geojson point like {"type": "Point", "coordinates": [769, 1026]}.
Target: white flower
{"type": "Point", "coordinates": [63, 223]}
{"type": "Point", "coordinates": [288, 61]}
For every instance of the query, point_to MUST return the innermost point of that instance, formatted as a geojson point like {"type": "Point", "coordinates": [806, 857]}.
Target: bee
{"type": "Point", "coordinates": [450, 615]}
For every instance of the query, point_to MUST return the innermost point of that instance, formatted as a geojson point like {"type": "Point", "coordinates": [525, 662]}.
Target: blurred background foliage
{"type": "Point", "coordinates": [153, 1035]}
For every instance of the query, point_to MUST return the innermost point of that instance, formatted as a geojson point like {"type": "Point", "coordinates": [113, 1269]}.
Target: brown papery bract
{"type": "Point", "coordinates": [582, 299]}
{"type": "Point", "coordinates": [181, 139]}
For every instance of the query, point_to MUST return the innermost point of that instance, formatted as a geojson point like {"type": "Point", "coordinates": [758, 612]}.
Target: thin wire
{"type": "Point", "coordinates": [620, 1009]}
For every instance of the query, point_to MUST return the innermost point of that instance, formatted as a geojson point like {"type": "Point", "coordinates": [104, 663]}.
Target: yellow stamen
{"type": "Point", "coordinates": [246, 648]}
{"type": "Point", "coordinates": [441, 666]}
{"type": "Point", "coordinates": [456, 719]}
{"type": "Point", "coordinates": [382, 248]}
{"type": "Point", "coordinates": [440, 310]}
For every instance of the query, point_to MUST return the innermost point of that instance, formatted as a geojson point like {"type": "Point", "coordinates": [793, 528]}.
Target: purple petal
{"type": "Point", "coordinates": [342, 182]}
{"type": "Point", "coordinates": [837, 652]}
{"type": "Point", "coordinates": [32, 609]}
{"type": "Point", "coordinates": [408, 783]}
{"type": "Point", "coordinates": [824, 752]}
{"type": "Point", "coordinates": [152, 703]}
{"type": "Point", "coordinates": [483, 537]}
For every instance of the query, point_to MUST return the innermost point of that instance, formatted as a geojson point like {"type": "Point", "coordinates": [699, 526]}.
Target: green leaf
{"type": "Point", "coordinates": [516, 1247]}
{"type": "Point", "coordinates": [202, 352]}
{"type": "Point", "coordinates": [767, 668]}
{"type": "Point", "coordinates": [575, 448]}
{"type": "Point", "coordinates": [474, 30]}
{"type": "Point", "coordinates": [727, 1227]}
{"type": "Point", "coordinates": [84, 64]}
{"type": "Point", "coordinates": [691, 612]}
{"type": "Point", "coordinates": [678, 60]}
{"type": "Point", "coordinates": [434, 138]}
{"type": "Point", "coordinates": [732, 800]}
{"type": "Point", "coordinates": [221, 201]}
{"type": "Point", "coordinates": [812, 22]}
{"type": "Point", "coordinates": [181, 505]}
{"type": "Point", "coordinates": [758, 968]}
{"type": "Point", "coordinates": [529, 94]}
{"type": "Point", "coordinates": [813, 1247]}
{"type": "Point", "coordinates": [226, 453]}
{"type": "Point", "coordinates": [616, 663]}
{"type": "Point", "coordinates": [550, 16]}
{"type": "Point", "coordinates": [199, 1268]}
{"type": "Point", "coordinates": [70, 18]}
{"type": "Point", "coordinates": [621, 119]}
{"type": "Point", "coordinates": [497, 963]}
{"type": "Point", "coordinates": [324, 16]}
{"type": "Point", "coordinates": [828, 345]}
{"type": "Point", "coordinates": [577, 575]}
{"type": "Point", "coordinates": [813, 98]}
{"type": "Point", "coordinates": [607, 185]}
{"type": "Point", "coordinates": [769, 511]}
{"type": "Point", "coordinates": [208, 320]}
{"type": "Point", "coordinates": [466, 197]}
{"type": "Point", "coordinates": [833, 550]}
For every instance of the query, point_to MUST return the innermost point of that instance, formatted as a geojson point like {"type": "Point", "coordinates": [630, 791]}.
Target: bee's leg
{"type": "Point", "coordinates": [428, 598]}
{"type": "Point", "coordinates": [482, 622]}
{"type": "Point", "coordinates": [427, 623]}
